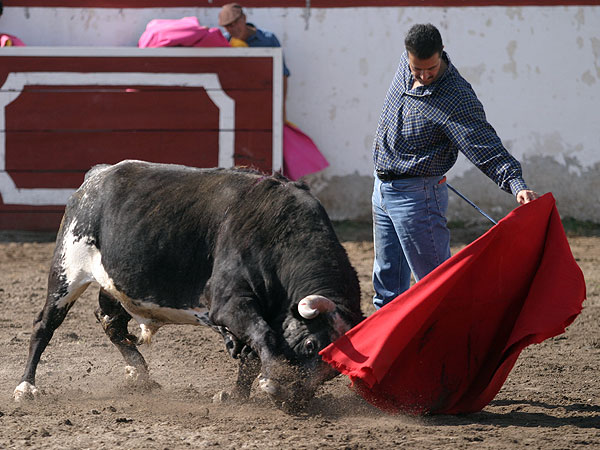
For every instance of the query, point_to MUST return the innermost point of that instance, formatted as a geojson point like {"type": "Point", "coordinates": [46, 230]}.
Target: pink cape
{"type": "Point", "coordinates": [15, 41]}
{"type": "Point", "coordinates": [447, 345]}
{"type": "Point", "coordinates": [186, 32]}
{"type": "Point", "coordinates": [300, 154]}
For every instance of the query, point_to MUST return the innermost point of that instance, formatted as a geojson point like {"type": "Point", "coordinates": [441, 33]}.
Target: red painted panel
{"type": "Point", "coordinates": [44, 218]}
{"type": "Point", "coordinates": [57, 151]}
{"type": "Point", "coordinates": [292, 3]}
{"type": "Point", "coordinates": [111, 108]}
{"type": "Point", "coordinates": [251, 111]}
{"type": "Point", "coordinates": [52, 153]}
{"type": "Point", "coordinates": [254, 73]}
{"type": "Point", "coordinates": [38, 218]}
{"type": "Point", "coordinates": [31, 220]}
{"type": "Point", "coordinates": [135, 108]}
{"type": "Point", "coordinates": [247, 149]}
{"type": "Point", "coordinates": [51, 179]}
{"type": "Point", "coordinates": [54, 133]}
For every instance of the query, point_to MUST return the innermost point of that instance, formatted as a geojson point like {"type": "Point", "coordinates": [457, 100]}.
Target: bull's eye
{"type": "Point", "coordinates": [309, 346]}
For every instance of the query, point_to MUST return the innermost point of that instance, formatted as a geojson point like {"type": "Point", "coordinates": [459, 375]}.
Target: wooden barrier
{"type": "Point", "coordinates": [63, 110]}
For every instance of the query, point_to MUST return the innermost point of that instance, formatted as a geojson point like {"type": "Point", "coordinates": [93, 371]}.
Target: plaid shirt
{"type": "Point", "coordinates": [421, 130]}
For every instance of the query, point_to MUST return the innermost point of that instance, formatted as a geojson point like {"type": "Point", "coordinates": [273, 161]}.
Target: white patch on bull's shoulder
{"type": "Point", "coordinates": [25, 391]}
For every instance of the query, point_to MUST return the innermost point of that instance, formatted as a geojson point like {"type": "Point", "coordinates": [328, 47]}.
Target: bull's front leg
{"type": "Point", "coordinates": [241, 317]}
{"type": "Point", "coordinates": [248, 369]}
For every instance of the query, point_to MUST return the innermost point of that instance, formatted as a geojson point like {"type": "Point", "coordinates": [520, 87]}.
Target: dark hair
{"type": "Point", "coordinates": [0, 7]}
{"type": "Point", "coordinates": [423, 41]}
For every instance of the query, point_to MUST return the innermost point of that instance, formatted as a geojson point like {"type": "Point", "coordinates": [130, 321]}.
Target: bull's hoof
{"type": "Point", "coordinates": [234, 396]}
{"type": "Point", "coordinates": [222, 397]}
{"type": "Point", "coordinates": [25, 391]}
{"type": "Point", "coordinates": [269, 386]}
{"type": "Point", "coordinates": [140, 379]}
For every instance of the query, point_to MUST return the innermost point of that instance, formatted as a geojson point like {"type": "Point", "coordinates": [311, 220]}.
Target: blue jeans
{"type": "Point", "coordinates": [410, 233]}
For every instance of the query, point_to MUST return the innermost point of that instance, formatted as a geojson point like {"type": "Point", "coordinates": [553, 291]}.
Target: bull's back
{"type": "Point", "coordinates": [155, 225]}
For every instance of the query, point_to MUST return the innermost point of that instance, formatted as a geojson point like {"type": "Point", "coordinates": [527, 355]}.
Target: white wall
{"type": "Point", "coordinates": [536, 70]}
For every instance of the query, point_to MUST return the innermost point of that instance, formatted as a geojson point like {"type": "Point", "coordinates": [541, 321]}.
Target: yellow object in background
{"type": "Point", "coordinates": [235, 42]}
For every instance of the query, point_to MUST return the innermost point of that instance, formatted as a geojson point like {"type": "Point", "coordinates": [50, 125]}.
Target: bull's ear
{"type": "Point", "coordinates": [312, 305]}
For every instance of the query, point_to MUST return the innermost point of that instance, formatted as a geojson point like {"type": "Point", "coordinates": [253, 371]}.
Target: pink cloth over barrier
{"type": "Point", "coordinates": [185, 32]}
{"type": "Point", "coordinates": [447, 345]}
{"type": "Point", "coordinates": [7, 40]}
{"type": "Point", "coordinates": [300, 154]}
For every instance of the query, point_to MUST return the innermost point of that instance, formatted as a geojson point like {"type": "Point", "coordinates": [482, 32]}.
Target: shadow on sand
{"type": "Point", "coordinates": [579, 415]}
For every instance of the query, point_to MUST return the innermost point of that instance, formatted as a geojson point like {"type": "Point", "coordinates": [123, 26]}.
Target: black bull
{"type": "Point", "coordinates": [255, 257]}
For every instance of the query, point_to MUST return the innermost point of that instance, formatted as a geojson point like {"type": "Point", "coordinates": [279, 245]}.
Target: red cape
{"type": "Point", "coordinates": [447, 345]}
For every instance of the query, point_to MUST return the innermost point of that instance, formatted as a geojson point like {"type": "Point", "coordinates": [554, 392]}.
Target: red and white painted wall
{"type": "Point", "coordinates": [535, 65]}
{"type": "Point", "coordinates": [66, 109]}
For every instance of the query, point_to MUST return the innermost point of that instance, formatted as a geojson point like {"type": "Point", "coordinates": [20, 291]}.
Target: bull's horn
{"type": "Point", "coordinates": [310, 306]}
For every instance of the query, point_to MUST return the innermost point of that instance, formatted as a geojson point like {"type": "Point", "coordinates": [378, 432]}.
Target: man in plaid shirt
{"type": "Point", "coordinates": [430, 113]}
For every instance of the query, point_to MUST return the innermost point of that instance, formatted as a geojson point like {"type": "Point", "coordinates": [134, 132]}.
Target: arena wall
{"type": "Point", "coordinates": [536, 68]}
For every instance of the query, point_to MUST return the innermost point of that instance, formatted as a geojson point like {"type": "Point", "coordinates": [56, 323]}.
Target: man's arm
{"type": "Point", "coordinates": [468, 129]}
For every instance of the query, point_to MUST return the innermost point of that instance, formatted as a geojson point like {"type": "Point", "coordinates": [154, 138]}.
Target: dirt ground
{"type": "Point", "coordinates": [551, 399]}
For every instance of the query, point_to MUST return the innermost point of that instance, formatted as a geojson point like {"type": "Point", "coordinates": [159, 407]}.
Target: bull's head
{"type": "Point", "coordinates": [315, 324]}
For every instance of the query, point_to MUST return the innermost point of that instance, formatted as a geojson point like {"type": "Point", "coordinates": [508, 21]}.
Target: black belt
{"type": "Point", "coordinates": [385, 175]}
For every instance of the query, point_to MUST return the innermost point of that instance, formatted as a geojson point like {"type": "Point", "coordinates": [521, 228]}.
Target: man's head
{"type": "Point", "coordinates": [233, 19]}
{"type": "Point", "coordinates": [1, 7]}
{"type": "Point", "coordinates": [423, 41]}
{"type": "Point", "coordinates": [424, 46]}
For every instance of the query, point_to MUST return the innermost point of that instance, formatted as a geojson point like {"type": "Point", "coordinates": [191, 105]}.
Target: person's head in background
{"type": "Point", "coordinates": [233, 19]}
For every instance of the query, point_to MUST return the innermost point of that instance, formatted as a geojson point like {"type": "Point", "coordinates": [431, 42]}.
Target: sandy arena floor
{"type": "Point", "coordinates": [551, 400]}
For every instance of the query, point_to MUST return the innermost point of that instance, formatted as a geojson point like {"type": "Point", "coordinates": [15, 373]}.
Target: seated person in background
{"type": "Point", "coordinates": [233, 19]}
{"type": "Point", "coordinates": [7, 40]}
{"type": "Point", "coordinates": [300, 154]}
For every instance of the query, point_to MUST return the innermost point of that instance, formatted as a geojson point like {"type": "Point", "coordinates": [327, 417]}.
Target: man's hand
{"type": "Point", "coordinates": [526, 195]}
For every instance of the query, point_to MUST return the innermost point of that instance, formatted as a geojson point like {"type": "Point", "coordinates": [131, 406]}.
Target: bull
{"type": "Point", "coordinates": [254, 257]}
